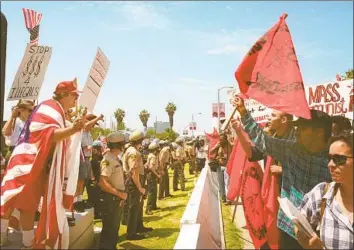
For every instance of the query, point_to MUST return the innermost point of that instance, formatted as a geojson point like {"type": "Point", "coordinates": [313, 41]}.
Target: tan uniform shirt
{"type": "Point", "coordinates": [113, 170]}
{"type": "Point", "coordinates": [153, 162]}
{"type": "Point", "coordinates": [180, 154]}
{"type": "Point", "coordinates": [164, 157]}
{"type": "Point", "coordinates": [134, 160]}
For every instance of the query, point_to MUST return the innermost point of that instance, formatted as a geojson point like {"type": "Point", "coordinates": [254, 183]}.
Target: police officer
{"type": "Point", "coordinates": [135, 185]}
{"type": "Point", "coordinates": [125, 169]}
{"type": "Point", "coordinates": [112, 184]}
{"type": "Point", "coordinates": [152, 177]}
{"type": "Point", "coordinates": [164, 160]}
{"type": "Point", "coordinates": [179, 165]}
{"type": "Point", "coordinates": [190, 156]}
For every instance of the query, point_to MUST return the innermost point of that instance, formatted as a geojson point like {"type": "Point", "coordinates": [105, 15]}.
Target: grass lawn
{"type": "Point", "coordinates": [165, 222]}
{"type": "Point", "coordinates": [230, 230]}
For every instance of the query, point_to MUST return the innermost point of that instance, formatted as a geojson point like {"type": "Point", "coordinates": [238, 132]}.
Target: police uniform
{"type": "Point", "coordinates": [178, 174]}
{"type": "Point", "coordinates": [112, 168]}
{"type": "Point", "coordinates": [125, 169]}
{"type": "Point", "coordinates": [134, 161]}
{"type": "Point", "coordinates": [164, 160]}
{"type": "Point", "coordinates": [152, 164]}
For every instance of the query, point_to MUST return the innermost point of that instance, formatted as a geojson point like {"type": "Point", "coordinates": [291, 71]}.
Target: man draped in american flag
{"type": "Point", "coordinates": [32, 20]}
{"type": "Point", "coordinates": [45, 163]}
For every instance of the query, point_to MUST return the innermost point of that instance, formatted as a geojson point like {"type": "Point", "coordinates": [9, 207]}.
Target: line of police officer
{"type": "Point", "coordinates": [122, 180]}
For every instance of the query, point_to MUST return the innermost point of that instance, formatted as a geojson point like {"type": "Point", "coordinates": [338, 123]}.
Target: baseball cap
{"type": "Point", "coordinates": [319, 119]}
{"type": "Point", "coordinates": [67, 86]}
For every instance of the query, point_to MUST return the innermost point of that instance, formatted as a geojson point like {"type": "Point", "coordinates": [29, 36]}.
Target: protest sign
{"type": "Point", "coordinates": [30, 75]}
{"type": "Point", "coordinates": [258, 111]}
{"type": "Point", "coordinates": [334, 98]}
{"type": "Point", "coordinates": [97, 74]}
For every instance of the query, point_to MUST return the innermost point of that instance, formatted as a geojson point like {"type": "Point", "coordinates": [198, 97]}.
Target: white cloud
{"type": "Point", "coordinates": [235, 42]}
{"type": "Point", "coordinates": [228, 49]}
{"type": "Point", "coordinates": [229, 7]}
{"type": "Point", "coordinates": [143, 14]}
{"type": "Point", "coordinates": [133, 14]}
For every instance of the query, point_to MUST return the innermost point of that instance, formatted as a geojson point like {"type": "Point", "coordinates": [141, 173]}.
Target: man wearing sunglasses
{"type": "Point", "coordinates": [304, 161]}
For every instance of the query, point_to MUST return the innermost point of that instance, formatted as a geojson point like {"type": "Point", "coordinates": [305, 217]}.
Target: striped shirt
{"type": "Point", "coordinates": [301, 170]}
{"type": "Point", "coordinates": [336, 230]}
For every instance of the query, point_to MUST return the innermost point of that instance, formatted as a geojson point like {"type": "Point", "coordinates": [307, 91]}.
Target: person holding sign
{"type": "Point", "coordinates": [304, 161]}
{"type": "Point", "coordinates": [329, 206]}
{"type": "Point", "coordinates": [36, 162]}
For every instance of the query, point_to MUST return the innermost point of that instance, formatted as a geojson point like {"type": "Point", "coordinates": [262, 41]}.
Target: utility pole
{"type": "Point", "coordinates": [225, 87]}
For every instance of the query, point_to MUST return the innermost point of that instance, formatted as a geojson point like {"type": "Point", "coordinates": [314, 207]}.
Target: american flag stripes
{"type": "Point", "coordinates": [30, 174]}
{"type": "Point", "coordinates": [32, 20]}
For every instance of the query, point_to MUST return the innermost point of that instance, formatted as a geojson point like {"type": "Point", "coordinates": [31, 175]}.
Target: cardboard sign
{"type": "Point", "coordinates": [98, 73]}
{"type": "Point", "coordinates": [30, 75]}
{"type": "Point", "coordinates": [334, 98]}
{"type": "Point", "coordinates": [258, 111]}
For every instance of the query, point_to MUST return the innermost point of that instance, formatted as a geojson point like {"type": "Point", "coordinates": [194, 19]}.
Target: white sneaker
{"type": "Point", "coordinates": [4, 241]}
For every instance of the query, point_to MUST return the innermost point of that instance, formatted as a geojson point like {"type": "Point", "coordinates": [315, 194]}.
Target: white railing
{"type": "Point", "coordinates": [201, 224]}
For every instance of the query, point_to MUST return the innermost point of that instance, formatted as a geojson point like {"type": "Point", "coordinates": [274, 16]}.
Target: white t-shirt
{"type": "Point", "coordinates": [13, 138]}
{"type": "Point", "coordinates": [201, 153]}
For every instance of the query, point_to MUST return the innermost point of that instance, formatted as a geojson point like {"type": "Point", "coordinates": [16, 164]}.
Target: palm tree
{"type": "Point", "coordinates": [349, 74]}
{"type": "Point", "coordinates": [171, 109]}
{"type": "Point", "coordinates": [144, 117]}
{"type": "Point", "coordinates": [119, 114]}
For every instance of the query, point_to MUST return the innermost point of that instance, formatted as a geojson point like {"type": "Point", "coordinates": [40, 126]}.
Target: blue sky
{"type": "Point", "coordinates": [174, 51]}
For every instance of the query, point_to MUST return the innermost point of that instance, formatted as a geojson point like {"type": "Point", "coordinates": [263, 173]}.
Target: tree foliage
{"type": "Point", "coordinates": [171, 109]}
{"type": "Point", "coordinates": [96, 131]}
{"type": "Point", "coordinates": [349, 74]}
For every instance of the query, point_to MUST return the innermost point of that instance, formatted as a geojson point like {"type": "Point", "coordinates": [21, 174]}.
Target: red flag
{"type": "Point", "coordinates": [271, 75]}
{"type": "Point", "coordinates": [252, 203]}
{"type": "Point", "coordinates": [234, 169]}
{"type": "Point", "coordinates": [270, 193]}
{"type": "Point", "coordinates": [213, 140]}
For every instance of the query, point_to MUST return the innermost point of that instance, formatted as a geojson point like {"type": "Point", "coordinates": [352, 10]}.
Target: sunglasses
{"type": "Point", "coordinates": [339, 159]}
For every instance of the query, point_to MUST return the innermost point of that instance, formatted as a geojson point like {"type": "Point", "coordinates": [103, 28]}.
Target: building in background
{"type": "Point", "coordinates": [160, 126]}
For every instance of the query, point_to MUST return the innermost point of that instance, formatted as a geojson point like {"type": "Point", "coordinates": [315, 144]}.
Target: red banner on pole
{"type": "Point", "coordinates": [271, 75]}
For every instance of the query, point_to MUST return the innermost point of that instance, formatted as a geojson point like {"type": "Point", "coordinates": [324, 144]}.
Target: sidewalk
{"type": "Point", "coordinates": [240, 223]}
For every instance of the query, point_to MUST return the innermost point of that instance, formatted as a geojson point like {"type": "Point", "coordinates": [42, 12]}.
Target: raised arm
{"type": "Point", "coordinates": [274, 147]}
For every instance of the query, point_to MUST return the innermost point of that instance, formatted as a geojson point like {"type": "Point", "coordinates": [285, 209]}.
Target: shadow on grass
{"type": "Point", "coordinates": [156, 218]}
{"type": "Point", "coordinates": [163, 232]}
{"type": "Point", "coordinates": [170, 208]}
{"type": "Point", "coordinates": [129, 245]}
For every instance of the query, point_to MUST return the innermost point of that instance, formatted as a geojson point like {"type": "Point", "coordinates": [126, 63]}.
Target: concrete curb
{"type": "Point", "coordinates": [240, 223]}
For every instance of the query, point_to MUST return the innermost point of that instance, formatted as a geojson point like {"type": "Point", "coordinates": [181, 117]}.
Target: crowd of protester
{"type": "Point", "coordinates": [313, 162]}
{"type": "Point", "coordinates": [118, 176]}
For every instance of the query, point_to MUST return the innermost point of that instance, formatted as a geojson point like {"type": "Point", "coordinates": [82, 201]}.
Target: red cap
{"type": "Point", "coordinates": [67, 86]}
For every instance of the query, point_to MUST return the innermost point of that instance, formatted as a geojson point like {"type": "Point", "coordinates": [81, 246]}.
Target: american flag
{"type": "Point", "coordinates": [32, 20]}
{"type": "Point", "coordinates": [28, 177]}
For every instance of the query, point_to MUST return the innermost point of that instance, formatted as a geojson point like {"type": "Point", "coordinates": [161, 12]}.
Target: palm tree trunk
{"type": "Point", "coordinates": [171, 121]}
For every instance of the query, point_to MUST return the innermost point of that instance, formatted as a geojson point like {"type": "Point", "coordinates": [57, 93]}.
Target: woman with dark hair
{"type": "Point", "coordinates": [340, 124]}
{"type": "Point", "coordinates": [329, 206]}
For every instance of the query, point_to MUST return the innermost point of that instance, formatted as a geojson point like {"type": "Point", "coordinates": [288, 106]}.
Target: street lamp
{"type": "Point", "coordinates": [193, 121]}
{"type": "Point", "coordinates": [225, 87]}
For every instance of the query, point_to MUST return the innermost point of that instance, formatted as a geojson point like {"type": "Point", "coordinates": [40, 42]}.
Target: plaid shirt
{"type": "Point", "coordinates": [336, 231]}
{"type": "Point", "coordinates": [301, 170]}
